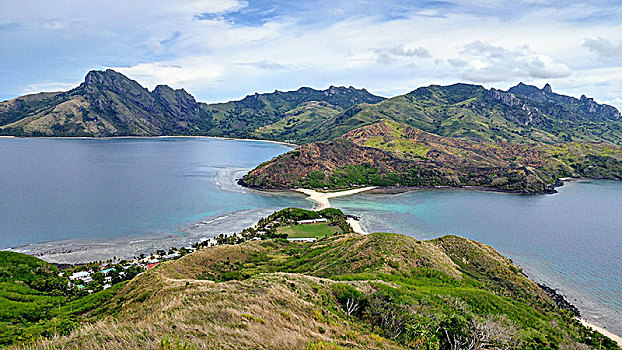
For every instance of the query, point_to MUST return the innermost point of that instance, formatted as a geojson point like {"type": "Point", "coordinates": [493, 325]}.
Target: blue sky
{"type": "Point", "coordinates": [220, 50]}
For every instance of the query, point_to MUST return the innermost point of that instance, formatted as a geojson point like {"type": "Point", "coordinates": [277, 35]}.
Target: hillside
{"type": "Point", "coordinates": [109, 104]}
{"type": "Point", "coordinates": [524, 114]}
{"type": "Point", "coordinates": [391, 154]}
{"type": "Point", "coordinates": [36, 302]}
{"type": "Point", "coordinates": [378, 291]}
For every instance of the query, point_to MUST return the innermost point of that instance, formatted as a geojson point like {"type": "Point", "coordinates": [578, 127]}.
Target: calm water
{"type": "Point", "coordinates": [571, 241]}
{"type": "Point", "coordinates": [115, 189]}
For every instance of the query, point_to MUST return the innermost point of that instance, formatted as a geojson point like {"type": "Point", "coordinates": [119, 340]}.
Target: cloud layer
{"type": "Point", "coordinates": [224, 49]}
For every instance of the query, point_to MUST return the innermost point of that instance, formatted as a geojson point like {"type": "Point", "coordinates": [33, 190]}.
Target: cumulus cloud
{"type": "Point", "coordinates": [487, 63]}
{"type": "Point", "coordinates": [192, 71]}
{"type": "Point", "coordinates": [224, 49]}
{"type": "Point", "coordinates": [386, 56]}
{"type": "Point", "coordinates": [604, 48]}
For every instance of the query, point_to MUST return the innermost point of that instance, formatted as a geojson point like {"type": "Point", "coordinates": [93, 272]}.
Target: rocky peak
{"type": "Point", "coordinates": [547, 88]}
{"type": "Point", "coordinates": [523, 114]}
{"type": "Point", "coordinates": [113, 81]}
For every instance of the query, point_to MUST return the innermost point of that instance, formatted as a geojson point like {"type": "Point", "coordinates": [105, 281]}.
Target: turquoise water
{"type": "Point", "coordinates": [116, 189]}
{"type": "Point", "coordinates": [571, 241]}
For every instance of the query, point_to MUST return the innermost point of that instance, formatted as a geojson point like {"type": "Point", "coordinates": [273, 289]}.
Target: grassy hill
{"type": "Point", "coordinates": [391, 154]}
{"type": "Point", "coordinates": [36, 302]}
{"type": "Point", "coordinates": [524, 114]}
{"type": "Point", "coordinates": [379, 291]}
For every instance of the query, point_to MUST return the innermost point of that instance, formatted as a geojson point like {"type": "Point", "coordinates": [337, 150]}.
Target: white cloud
{"type": "Point", "coordinates": [387, 56]}
{"type": "Point", "coordinates": [605, 49]}
{"type": "Point", "coordinates": [490, 63]}
{"type": "Point", "coordinates": [49, 87]}
{"type": "Point", "coordinates": [163, 42]}
{"type": "Point", "coordinates": [194, 71]}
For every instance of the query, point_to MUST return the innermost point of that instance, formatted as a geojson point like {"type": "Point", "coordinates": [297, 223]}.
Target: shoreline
{"type": "Point", "coordinates": [321, 200]}
{"type": "Point", "coordinates": [601, 330]}
{"type": "Point", "coordinates": [289, 144]}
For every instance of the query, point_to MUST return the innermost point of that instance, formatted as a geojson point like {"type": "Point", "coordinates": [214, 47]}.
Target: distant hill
{"type": "Point", "coordinates": [390, 154]}
{"type": "Point", "coordinates": [524, 114]}
{"type": "Point", "coordinates": [378, 291]}
{"type": "Point", "coordinates": [109, 104]}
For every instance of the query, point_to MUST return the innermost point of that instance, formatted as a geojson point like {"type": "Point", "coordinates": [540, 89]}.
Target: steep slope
{"type": "Point", "coordinates": [473, 112]}
{"type": "Point", "coordinates": [105, 104]}
{"type": "Point", "coordinates": [245, 118]}
{"type": "Point", "coordinates": [110, 104]}
{"type": "Point", "coordinates": [298, 123]}
{"type": "Point", "coordinates": [379, 291]}
{"type": "Point", "coordinates": [391, 154]}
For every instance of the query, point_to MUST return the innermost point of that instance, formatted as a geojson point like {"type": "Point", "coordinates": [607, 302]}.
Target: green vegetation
{"type": "Point", "coordinates": [390, 154]}
{"type": "Point", "coordinates": [378, 291]}
{"type": "Point", "coordinates": [473, 112]}
{"type": "Point", "coordinates": [109, 104]}
{"type": "Point", "coordinates": [36, 302]}
{"type": "Point", "coordinates": [318, 230]}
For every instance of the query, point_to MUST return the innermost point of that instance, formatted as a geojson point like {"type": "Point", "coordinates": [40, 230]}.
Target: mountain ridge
{"type": "Point", "coordinates": [388, 154]}
{"type": "Point", "coordinates": [109, 104]}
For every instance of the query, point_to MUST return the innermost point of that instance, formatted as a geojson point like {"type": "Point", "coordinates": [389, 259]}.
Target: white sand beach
{"type": "Point", "coordinates": [321, 201]}
{"type": "Point", "coordinates": [321, 198]}
{"type": "Point", "coordinates": [602, 331]}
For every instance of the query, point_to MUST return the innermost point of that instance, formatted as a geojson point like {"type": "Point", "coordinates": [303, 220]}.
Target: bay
{"type": "Point", "coordinates": [85, 194]}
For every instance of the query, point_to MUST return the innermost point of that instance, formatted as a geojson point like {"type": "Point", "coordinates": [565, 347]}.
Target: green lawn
{"type": "Point", "coordinates": [319, 230]}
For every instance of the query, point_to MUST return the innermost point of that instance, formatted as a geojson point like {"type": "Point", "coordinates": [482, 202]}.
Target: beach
{"type": "Point", "coordinates": [602, 331]}
{"type": "Point", "coordinates": [321, 200]}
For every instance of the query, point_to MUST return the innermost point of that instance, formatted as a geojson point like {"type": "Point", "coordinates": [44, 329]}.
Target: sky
{"type": "Point", "coordinates": [220, 50]}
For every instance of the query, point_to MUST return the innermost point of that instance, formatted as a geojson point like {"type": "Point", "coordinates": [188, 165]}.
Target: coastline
{"type": "Point", "coordinates": [614, 337]}
{"type": "Point", "coordinates": [321, 200]}
{"type": "Point", "coordinates": [289, 144]}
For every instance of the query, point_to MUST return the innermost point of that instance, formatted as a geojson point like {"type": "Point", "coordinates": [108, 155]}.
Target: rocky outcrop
{"type": "Point", "coordinates": [520, 112]}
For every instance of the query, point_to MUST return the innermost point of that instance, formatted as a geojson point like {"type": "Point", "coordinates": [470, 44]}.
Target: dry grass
{"type": "Point", "coordinates": [272, 311]}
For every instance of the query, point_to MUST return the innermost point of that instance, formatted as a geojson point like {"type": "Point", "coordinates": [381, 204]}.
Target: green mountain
{"type": "Point", "coordinates": [524, 114]}
{"type": "Point", "coordinates": [391, 154]}
{"type": "Point", "coordinates": [378, 291]}
{"type": "Point", "coordinates": [110, 104]}
{"type": "Point", "coordinates": [106, 104]}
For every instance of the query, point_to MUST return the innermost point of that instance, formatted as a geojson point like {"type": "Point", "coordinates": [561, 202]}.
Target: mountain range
{"type": "Point", "coordinates": [109, 104]}
{"type": "Point", "coordinates": [521, 140]}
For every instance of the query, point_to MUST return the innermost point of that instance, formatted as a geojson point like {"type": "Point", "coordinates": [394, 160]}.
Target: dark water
{"type": "Point", "coordinates": [571, 241]}
{"type": "Point", "coordinates": [60, 189]}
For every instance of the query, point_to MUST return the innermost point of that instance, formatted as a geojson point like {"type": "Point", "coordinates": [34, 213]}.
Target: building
{"type": "Point", "coordinates": [171, 256]}
{"type": "Point", "coordinates": [83, 276]}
